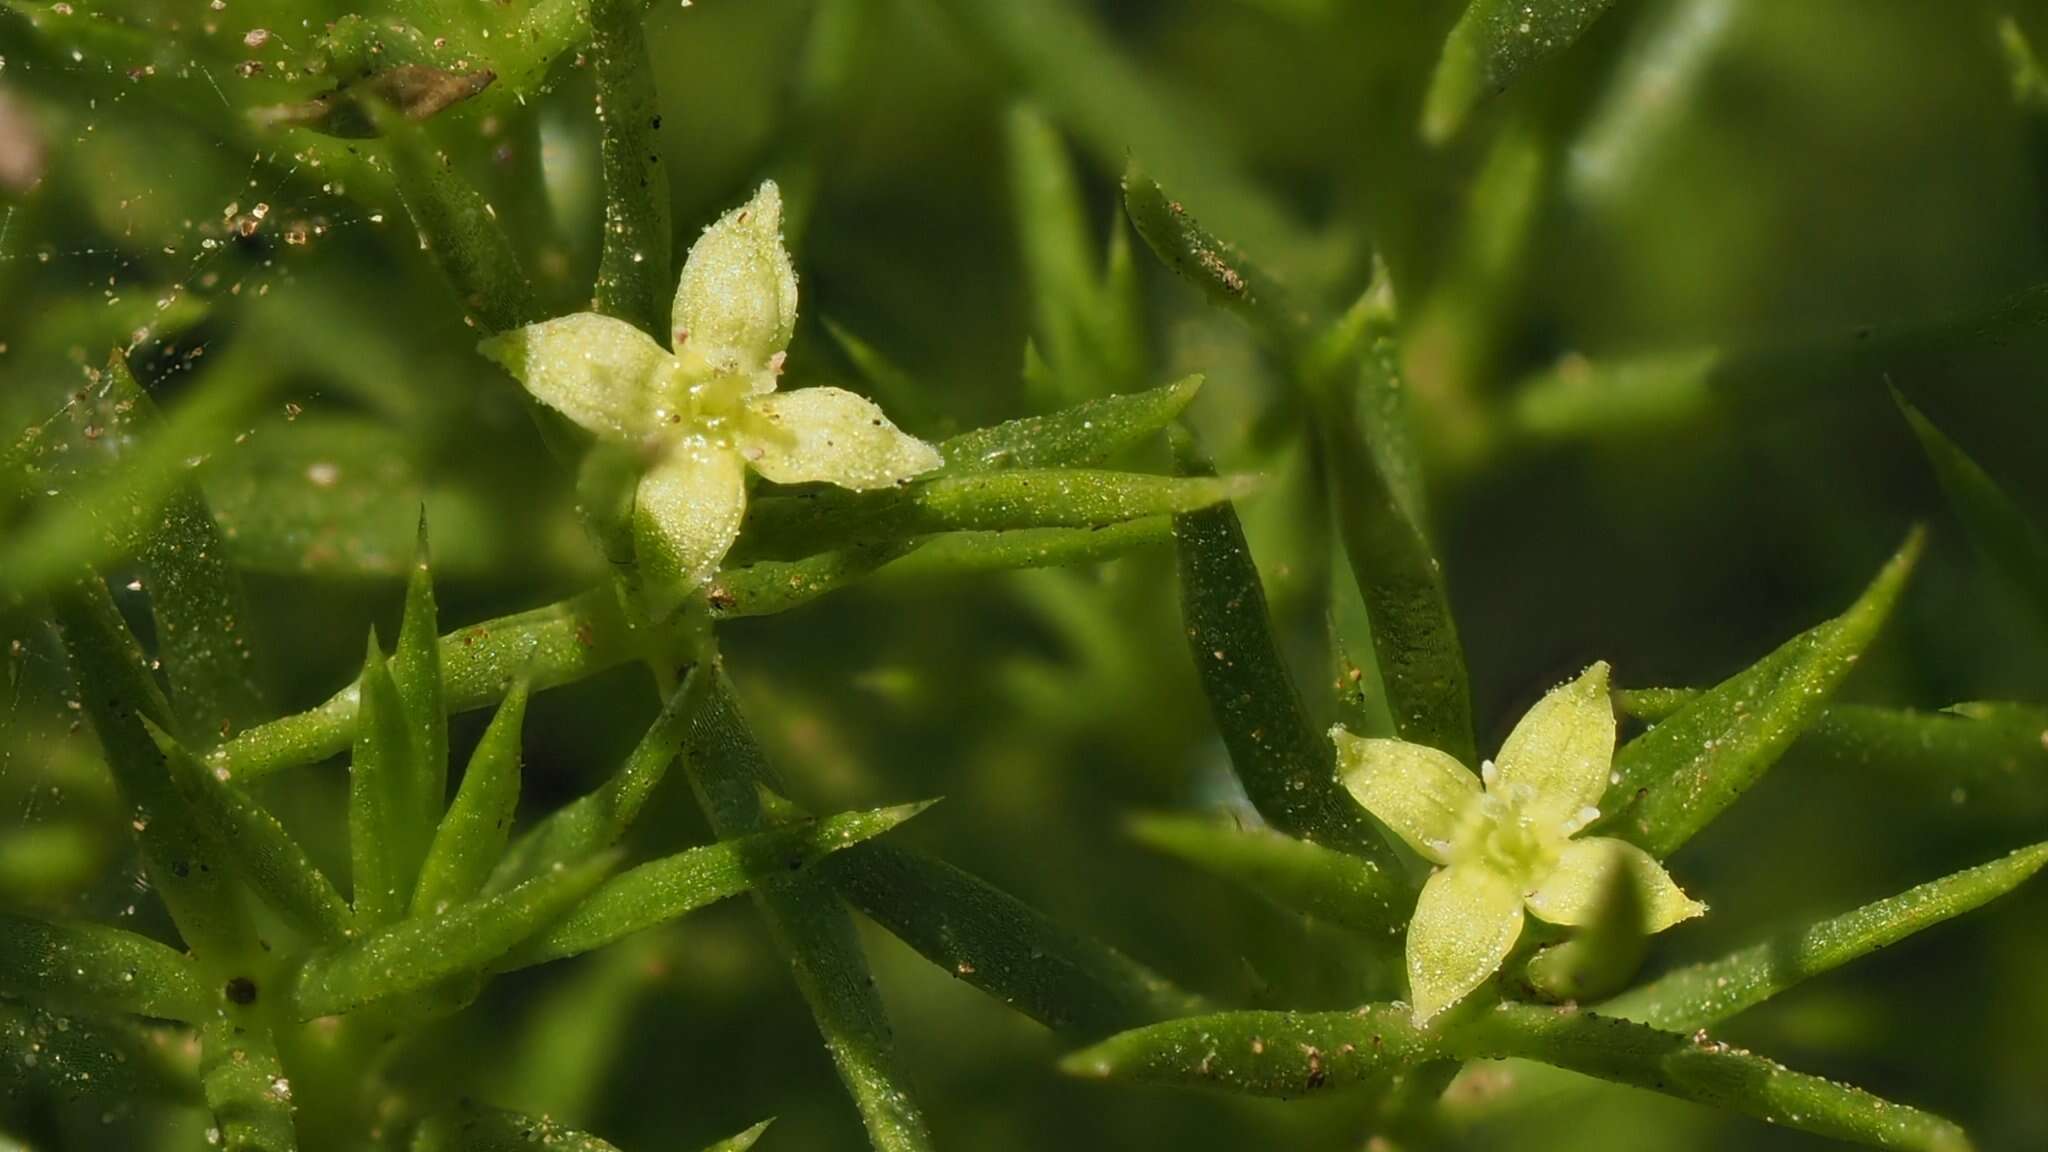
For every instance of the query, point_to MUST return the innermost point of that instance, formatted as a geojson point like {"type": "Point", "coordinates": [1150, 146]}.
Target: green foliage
{"type": "Point", "coordinates": [1681, 774]}
{"type": "Point", "coordinates": [1477, 416]}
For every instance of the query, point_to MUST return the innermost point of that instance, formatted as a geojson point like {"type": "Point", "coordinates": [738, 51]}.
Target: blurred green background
{"type": "Point", "coordinates": [1767, 211]}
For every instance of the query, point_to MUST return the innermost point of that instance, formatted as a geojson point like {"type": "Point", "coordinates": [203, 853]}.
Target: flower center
{"type": "Point", "coordinates": [1500, 832]}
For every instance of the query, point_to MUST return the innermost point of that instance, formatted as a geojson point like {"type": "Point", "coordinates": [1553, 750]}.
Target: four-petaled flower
{"type": "Point", "coordinates": [707, 410]}
{"type": "Point", "coordinates": [1508, 845]}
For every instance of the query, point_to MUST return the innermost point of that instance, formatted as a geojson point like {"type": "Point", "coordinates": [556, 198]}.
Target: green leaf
{"type": "Point", "coordinates": [420, 952]}
{"type": "Point", "coordinates": [792, 526]}
{"type": "Point", "coordinates": [1379, 517]}
{"type": "Point", "coordinates": [2002, 533]}
{"type": "Point", "coordinates": [1074, 69]}
{"type": "Point", "coordinates": [1336, 887]}
{"type": "Point", "coordinates": [772, 586]}
{"type": "Point", "coordinates": [113, 512]}
{"type": "Point", "coordinates": [120, 697]}
{"type": "Point", "coordinates": [471, 837]}
{"type": "Point", "coordinates": [1676, 778]}
{"type": "Point", "coordinates": [1087, 433]}
{"type": "Point", "coordinates": [324, 497]}
{"type": "Point", "coordinates": [596, 821]}
{"type": "Point", "coordinates": [575, 1033]}
{"type": "Point", "coordinates": [255, 847]}
{"type": "Point", "coordinates": [1287, 767]}
{"type": "Point", "coordinates": [559, 643]}
{"type": "Point", "coordinates": [997, 943]}
{"type": "Point", "coordinates": [1070, 297]}
{"type": "Point", "coordinates": [474, 1128]}
{"type": "Point", "coordinates": [633, 280]}
{"type": "Point", "coordinates": [95, 969]}
{"type": "Point", "coordinates": [1287, 1054]}
{"type": "Point", "coordinates": [415, 669]}
{"type": "Point", "coordinates": [1226, 277]}
{"type": "Point", "coordinates": [813, 929]}
{"type": "Point", "coordinates": [744, 1140]}
{"type": "Point", "coordinates": [114, 1061]}
{"type": "Point", "coordinates": [1492, 44]}
{"type": "Point", "coordinates": [1987, 754]}
{"type": "Point", "coordinates": [668, 888]}
{"type": "Point", "coordinates": [245, 1086]}
{"type": "Point", "coordinates": [382, 815]}
{"type": "Point", "coordinates": [195, 595]}
{"type": "Point", "coordinates": [1702, 994]}
{"type": "Point", "coordinates": [963, 553]}
{"type": "Point", "coordinates": [906, 399]}
{"type": "Point", "coordinates": [458, 228]}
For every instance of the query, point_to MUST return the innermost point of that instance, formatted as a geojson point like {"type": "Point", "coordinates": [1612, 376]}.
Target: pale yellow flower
{"type": "Point", "coordinates": [1505, 839]}
{"type": "Point", "coordinates": [706, 408]}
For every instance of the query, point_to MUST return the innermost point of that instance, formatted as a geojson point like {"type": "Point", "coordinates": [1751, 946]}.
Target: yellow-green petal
{"type": "Point", "coordinates": [603, 373]}
{"type": "Point", "coordinates": [686, 514]}
{"type": "Point", "coordinates": [832, 435]}
{"type": "Point", "coordinates": [1572, 893]}
{"type": "Point", "coordinates": [1466, 921]}
{"type": "Point", "coordinates": [1556, 762]}
{"type": "Point", "coordinates": [1420, 793]}
{"type": "Point", "coordinates": [736, 303]}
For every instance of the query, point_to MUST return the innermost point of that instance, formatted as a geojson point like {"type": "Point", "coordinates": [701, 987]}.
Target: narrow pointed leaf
{"type": "Point", "coordinates": [1286, 765]}
{"type": "Point", "coordinates": [1226, 277]}
{"type": "Point", "coordinates": [96, 969]}
{"type": "Point", "coordinates": [1335, 887]}
{"type": "Point", "coordinates": [964, 553]}
{"type": "Point", "coordinates": [744, 1140]}
{"type": "Point", "coordinates": [1379, 509]}
{"type": "Point", "coordinates": [907, 400]}
{"type": "Point", "coordinates": [1287, 1054]}
{"type": "Point", "coordinates": [114, 1061]}
{"type": "Point", "coordinates": [2002, 533]}
{"type": "Point", "coordinates": [1057, 250]}
{"type": "Point", "coordinates": [1085, 434]}
{"type": "Point", "coordinates": [474, 1128]}
{"type": "Point", "coordinates": [255, 847]}
{"type": "Point", "coordinates": [813, 928]}
{"type": "Point", "coordinates": [556, 644]}
{"type": "Point", "coordinates": [1986, 754]}
{"type": "Point", "coordinates": [416, 954]}
{"type": "Point", "coordinates": [119, 696]}
{"type": "Point", "coordinates": [574, 1034]}
{"type": "Point", "coordinates": [1702, 994]}
{"type": "Point", "coordinates": [381, 813]}
{"type": "Point", "coordinates": [665, 889]}
{"type": "Point", "coordinates": [1677, 777]}
{"type": "Point", "coordinates": [1007, 500]}
{"type": "Point", "coordinates": [195, 594]}
{"type": "Point", "coordinates": [1492, 44]}
{"type": "Point", "coordinates": [997, 943]}
{"type": "Point", "coordinates": [633, 281]}
{"type": "Point", "coordinates": [471, 837]}
{"type": "Point", "coordinates": [245, 1086]}
{"type": "Point", "coordinates": [772, 586]}
{"type": "Point", "coordinates": [458, 228]}
{"type": "Point", "coordinates": [596, 821]}
{"type": "Point", "coordinates": [416, 676]}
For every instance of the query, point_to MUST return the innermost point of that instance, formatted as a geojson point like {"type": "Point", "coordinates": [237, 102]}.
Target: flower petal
{"type": "Point", "coordinates": [1419, 792]}
{"type": "Point", "coordinates": [736, 303]}
{"type": "Point", "coordinates": [833, 435]}
{"type": "Point", "coordinates": [686, 514]}
{"type": "Point", "coordinates": [1572, 893]}
{"type": "Point", "coordinates": [1556, 761]}
{"type": "Point", "coordinates": [1466, 920]}
{"type": "Point", "coordinates": [603, 373]}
